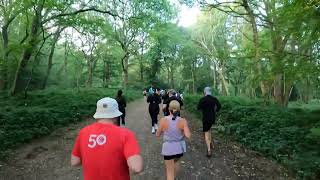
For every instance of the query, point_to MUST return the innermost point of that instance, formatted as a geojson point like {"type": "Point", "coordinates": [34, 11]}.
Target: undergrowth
{"type": "Point", "coordinates": [291, 136]}
{"type": "Point", "coordinates": [23, 119]}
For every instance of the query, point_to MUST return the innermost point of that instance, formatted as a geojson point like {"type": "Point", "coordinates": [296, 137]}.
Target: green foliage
{"type": "Point", "coordinates": [22, 120]}
{"type": "Point", "coordinates": [290, 136]}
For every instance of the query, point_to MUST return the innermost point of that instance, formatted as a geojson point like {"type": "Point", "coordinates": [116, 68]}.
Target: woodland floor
{"type": "Point", "coordinates": [48, 158]}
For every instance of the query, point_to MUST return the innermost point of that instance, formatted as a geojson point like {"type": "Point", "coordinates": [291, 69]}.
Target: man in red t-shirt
{"type": "Point", "coordinates": [106, 151]}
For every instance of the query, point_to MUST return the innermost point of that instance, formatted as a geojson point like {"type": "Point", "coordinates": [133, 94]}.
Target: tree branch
{"type": "Point", "coordinates": [78, 12]}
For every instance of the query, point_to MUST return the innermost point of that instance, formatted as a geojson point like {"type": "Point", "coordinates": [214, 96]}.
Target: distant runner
{"type": "Point", "coordinates": [154, 100]}
{"type": "Point", "coordinates": [174, 129]}
{"type": "Point", "coordinates": [122, 108]}
{"type": "Point", "coordinates": [151, 89]}
{"type": "Point", "coordinates": [209, 105]}
{"type": "Point", "coordinates": [106, 151]}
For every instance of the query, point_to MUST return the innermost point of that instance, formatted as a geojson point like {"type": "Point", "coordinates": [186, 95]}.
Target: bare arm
{"type": "Point", "coordinates": [75, 161]}
{"type": "Point", "coordinates": [160, 129]}
{"type": "Point", "coordinates": [186, 129]}
{"type": "Point", "coordinates": [135, 163]}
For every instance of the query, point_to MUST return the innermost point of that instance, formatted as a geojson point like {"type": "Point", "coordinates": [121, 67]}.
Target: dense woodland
{"type": "Point", "coordinates": [267, 49]}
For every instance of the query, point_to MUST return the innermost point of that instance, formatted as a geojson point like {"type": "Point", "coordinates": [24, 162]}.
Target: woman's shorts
{"type": "Point", "coordinates": [176, 156]}
{"type": "Point", "coordinates": [206, 125]}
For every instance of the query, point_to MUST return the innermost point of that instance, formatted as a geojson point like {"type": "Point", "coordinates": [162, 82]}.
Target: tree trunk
{"type": "Point", "coordinates": [4, 60]}
{"type": "Point", "coordinates": [141, 62]}
{"type": "Point", "coordinates": [256, 44]}
{"type": "Point", "coordinates": [124, 63]}
{"type": "Point", "coordinates": [28, 50]}
{"type": "Point", "coordinates": [225, 89]}
{"type": "Point", "coordinates": [141, 71]}
{"type": "Point", "coordinates": [277, 88]}
{"type": "Point", "coordinates": [90, 76]}
{"type": "Point", "coordinates": [172, 77]}
{"type": "Point", "coordinates": [126, 73]}
{"type": "Point", "coordinates": [214, 75]}
{"type": "Point", "coordinates": [50, 58]}
{"type": "Point", "coordinates": [193, 81]}
{"type": "Point", "coordinates": [106, 73]}
{"type": "Point", "coordinates": [168, 76]}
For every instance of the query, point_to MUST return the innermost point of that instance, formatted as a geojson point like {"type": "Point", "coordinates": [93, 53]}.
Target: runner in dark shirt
{"type": "Point", "coordinates": [122, 107]}
{"type": "Point", "coordinates": [172, 96]}
{"type": "Point", "coordinates": [209, 105]}
{"type": "Point", "coordinates": [154, 100]}
{"type": "Point", "coordinates": [165, 96]}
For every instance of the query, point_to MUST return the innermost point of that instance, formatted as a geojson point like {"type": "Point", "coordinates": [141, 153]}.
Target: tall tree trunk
{"type": "Point", "coordinates": [125, 64]}
{"type": "Point", "coordinates": [168, 75]}
{"type": "Point", "coordinates": [225, 89]}
{"type": "Point", "coordinates": [4, 60]}
{"type": "Point", "coordinates": [193, 82]}
{"type": "Point", "coordinates": [172, 77]}
{"type": "Point", "coordinates": [277, 88]}
{"type": "Point", "coordinates": [28, 50]}
{"type": "Point", "coordinates": [50, 58]}
{"type": "Point", "coordinates": [65, 63]}
{"type": "Point", "coordinates": [90, 73]}
{"type": "Point", "coordinates": [214, 75]}
{"type": "Point", "coordinates": [5, 40]}
{"type": "Point", "coordinates": [141, 62]}
{"type": "Point", "coordinates": [141, 71]}
{"type": "Point", "coordinates": [106, 73]}
{"type": "Point", "coordinates": [256, 44]}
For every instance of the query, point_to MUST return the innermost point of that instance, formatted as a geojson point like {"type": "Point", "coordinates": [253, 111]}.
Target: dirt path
{"type": "Point", "coordinates": [48, 158]}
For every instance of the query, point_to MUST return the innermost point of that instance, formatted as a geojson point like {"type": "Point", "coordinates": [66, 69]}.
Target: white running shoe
{"type": "Point", "coordinates": [156, 126]}
{"type": "Point", "coordinates": [153, 130]}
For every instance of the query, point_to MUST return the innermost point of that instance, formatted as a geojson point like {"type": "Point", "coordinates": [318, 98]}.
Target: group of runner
{"type": "Point", "coordinates": [107, 151]}
{"type": "Point", "coordinates": [155, 97]}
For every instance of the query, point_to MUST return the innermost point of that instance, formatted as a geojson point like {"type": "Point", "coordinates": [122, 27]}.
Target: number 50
{"type": "Point", "coordinates": [95, 139]}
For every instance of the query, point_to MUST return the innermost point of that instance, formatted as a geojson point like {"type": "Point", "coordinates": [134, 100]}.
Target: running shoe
{"type": "Point", "coordinates": [153, 131]}
{"type": "Point", "coordinates": [156, 126]}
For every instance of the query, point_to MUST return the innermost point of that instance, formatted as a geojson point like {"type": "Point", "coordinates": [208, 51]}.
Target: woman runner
{"type": "Point", "coordinates": [174, 129]}
{"type": "Point", "coordinates": [154, 100]}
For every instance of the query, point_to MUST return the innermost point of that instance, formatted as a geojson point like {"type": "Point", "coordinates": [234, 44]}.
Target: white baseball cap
{"type": "Point", "coordinates": [107, 108]}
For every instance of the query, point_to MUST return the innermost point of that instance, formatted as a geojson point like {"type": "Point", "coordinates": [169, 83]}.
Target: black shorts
{"type": "Point", "coordinates": [206, 125]}
{"type": "Point", "coordinates": [177, 156]}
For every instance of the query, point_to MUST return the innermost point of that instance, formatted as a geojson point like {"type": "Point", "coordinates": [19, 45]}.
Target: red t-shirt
{"type": "Point", "coordinates": [104, 150]}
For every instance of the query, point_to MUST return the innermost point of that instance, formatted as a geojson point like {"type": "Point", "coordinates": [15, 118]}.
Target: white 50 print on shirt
{"type": "Point", "coordinates": [97, 140]}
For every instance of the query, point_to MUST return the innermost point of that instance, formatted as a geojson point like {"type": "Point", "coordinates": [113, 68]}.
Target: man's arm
{"type": "Point", "coordinates": [124, 102]}
{"type": "Point", "coordinates": [218, 105]}
{"type": "Point", "coordinates": [132, 153]}
{"type": "Point", "coordinates": [199, 107]}
{"type": "Point", "coordinates": [186, 129]}
{"type": "Point", "coordinates": [159, 131]}
{"type": "Point", "coordinates": [75, 160]}
{"type": "Point", "coordinates": [76, 153]}
{"type": "Point", "coordinates": [135, 163]}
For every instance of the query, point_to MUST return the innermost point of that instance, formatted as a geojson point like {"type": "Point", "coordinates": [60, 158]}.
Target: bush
{"type": "Point", "coordinates": [22, 120]}
{"type": "Point", "coordinates": [290, 136]}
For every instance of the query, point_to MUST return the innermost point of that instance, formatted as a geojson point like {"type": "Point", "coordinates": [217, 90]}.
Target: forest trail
{"type": "Point", "coordinates": [48, 157]}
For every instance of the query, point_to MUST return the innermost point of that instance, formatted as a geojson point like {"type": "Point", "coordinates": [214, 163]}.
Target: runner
{"type": "Point", "coordinates": [174, 129]}
{"type": "Point", "coordinates": [151, 89]}
{"type": "Point", "coordinates": [172, 96]}
{"type": "Point", "coordinates": [106, 151]}
{"type": "Point", "coordinates": [165, 96]}
{"type": "Point", "coordinates": [154, 100]}
{"type": "Point", "coordinates": [209, 105]}
{"type": "Point", "coordinates": [122, 107]}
